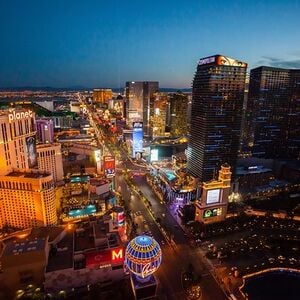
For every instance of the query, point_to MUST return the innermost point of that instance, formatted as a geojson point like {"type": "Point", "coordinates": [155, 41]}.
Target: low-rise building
{"type": "Point", "coordinates": [213, 203]}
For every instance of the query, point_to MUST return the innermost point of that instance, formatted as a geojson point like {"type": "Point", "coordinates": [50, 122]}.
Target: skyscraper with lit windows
{"type": "Point", "coordinates": [216, 111]}
{"type": "Point", "coordinates": [273, 110]}
{"type": "Point", "coordinates": [17, 140]}
{"type": "Point", "coordinates": [178, 114]}
{"type": "Point", "coordinates": [27, 196]}
{"type": "Point", "coordinates": [140, 98]}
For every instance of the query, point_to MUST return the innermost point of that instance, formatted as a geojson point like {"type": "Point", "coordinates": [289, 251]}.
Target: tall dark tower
{"type": "Point", "coordinates": [217, 103]}
{"type": "Point", "coordinates": [274, 112]}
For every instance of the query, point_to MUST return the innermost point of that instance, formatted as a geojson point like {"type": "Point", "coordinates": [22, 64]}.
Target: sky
{"type": "Point", "coordinates": [95, 43]}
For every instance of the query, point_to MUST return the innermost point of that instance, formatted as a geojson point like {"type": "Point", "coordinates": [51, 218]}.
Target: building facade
{"type": "Point", "coordinates": [159, 118]}
{"type": "Point", "coordinates": [216, 111]}
{"type": "Point", "coordinates": [102, 95]}
{"type": "Point", "coordinates": [49, 159]}
{"type": "Point", "coordinates": [27, 200]}
{"type": "Point", "coordinates": [44, 130]}
{"type": "Point", "coordinates": [178, 114]}
{"type": "Point", "coordinates": [140, 98]}
{"type": "Point", "coordinates": [17, 140]}
{"type": "Point", "coordinates": [274, 113]}
{"type": "Point", "coordinates": [212, 206]}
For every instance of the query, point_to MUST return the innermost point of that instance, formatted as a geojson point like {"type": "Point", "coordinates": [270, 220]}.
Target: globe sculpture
{"type": "Point", "coordinates": [143, 256]}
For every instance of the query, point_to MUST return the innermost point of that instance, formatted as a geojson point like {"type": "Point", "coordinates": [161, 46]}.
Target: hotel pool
{"type": "Point", "coordinates": [169, 174]}
{"type": "Point", "coordinates": [77, 179]}
{"type": "Point", "coordinates": [90, 209]}
{"type": "Point", "coordinates": [273, 285]}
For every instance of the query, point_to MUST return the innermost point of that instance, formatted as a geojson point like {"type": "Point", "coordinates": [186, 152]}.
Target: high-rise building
{"type": "Point", "coordinates": [274, 113]}
{"type": "Point", "coordinates": [140, 97]}
{"type": "Point", "coordinates": [27, 200]}
{"type": "Point", "coordinates": [27, 196]}
{"type": "Point", "coordinates": [178, 114]}
{"type": "Point", "coordinates": [44, 130]}
{"type": "Point", "coordinates": [158, 121]}
{"type": "Point", "coordinates": [49, 159]}
{"type": "Point", "coordinates": [102, 95]}
{"type": "Point", "coordinates": [216, 111]}
{"type": "Point", "coordinates": [17, 140]}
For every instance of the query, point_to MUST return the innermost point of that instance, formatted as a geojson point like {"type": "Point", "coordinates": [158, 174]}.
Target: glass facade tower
{"type": "Point", "coordinates": [216, 112]}
{"type": "Point", "coordinates": [140, 97]}
{"type": "Point", "coordinates": [274, 112]}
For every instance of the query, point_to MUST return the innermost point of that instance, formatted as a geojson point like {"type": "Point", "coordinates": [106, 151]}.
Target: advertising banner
{"type": "Point", "coordinates": [137, 138]}
{"type": "Point", "coordinates": [109, 165]}
{"type": "Point", "coordinates": [213, 196]}
{"type": "Point", "coordinates": [31, 151]}
{"type": "Point", "coordinates": [154, 155]}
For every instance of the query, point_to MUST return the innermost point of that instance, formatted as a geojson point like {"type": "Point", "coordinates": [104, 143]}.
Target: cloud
{"type": "Point", "coordinates": [279, 63]}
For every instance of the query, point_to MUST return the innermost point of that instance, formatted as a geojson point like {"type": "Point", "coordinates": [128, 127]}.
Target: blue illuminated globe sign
{"type": "Point", "coordinates": [143, 256]}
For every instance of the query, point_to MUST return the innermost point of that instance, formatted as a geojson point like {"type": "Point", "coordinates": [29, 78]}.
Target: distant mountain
{"type": "Point", "coordinates": [81, 88]}
{"type": "Point", "coordinates": [173, 90]}
{"type": "Point", "coordinates": [44, 88]}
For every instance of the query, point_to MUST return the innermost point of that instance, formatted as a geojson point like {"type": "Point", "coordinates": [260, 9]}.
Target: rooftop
{"type": "Point", "coordinates": [42, 232]}
{"type": "Point", "coordinates": [18, 247]}
{"type": "Point", "coordinates": [252, 170]}
{"type": "Point", "coordinates": [42, 146]}
{"type": "Point", "coordinates": [63, 258]}
{"type": "Point", "coordinates": [28, 174]}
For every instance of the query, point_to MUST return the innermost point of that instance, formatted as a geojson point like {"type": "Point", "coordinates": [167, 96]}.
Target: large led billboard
{"type": "Point", "coordinates": [31, 151]}
{"type": "Point", "coordinates": [227, 61]}
{"type": "Point", "coordinates": [221, 60]}
{"type": "Point", "coordinates": [109, 165]}
{"type": "Point", "coordinates": [213, 196]}
{"type": "Point", "coordinates": [137, 138]}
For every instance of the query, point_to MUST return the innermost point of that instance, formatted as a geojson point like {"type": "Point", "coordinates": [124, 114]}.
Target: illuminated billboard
{"type": "Point", "coordinates": [221, 60]}
{"type": "Point", "coordinates": [137, 138]}
{"type": "Point", "coordinates": [104, 257]}
{"type": "Point", "coordinates": [154, 155]}
{"type": "Point", "coordinates": [213, 196]}
{"type": "Point", "coordinates": [97, 155]}
{"type": "Point", "coordinates": [227, 61]}
{"type": "Point", "coordinates": [109, 165]}
{"type": "Point", "coordinates": [214, 212]}
{"type": "Point", "coordinates": [31, 151]}
{"type": "Point", "coordinates": [121, 218]}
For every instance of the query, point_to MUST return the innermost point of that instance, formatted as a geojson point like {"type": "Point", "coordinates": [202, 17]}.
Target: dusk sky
{"type": "Point", "coordinates": [63, 43]}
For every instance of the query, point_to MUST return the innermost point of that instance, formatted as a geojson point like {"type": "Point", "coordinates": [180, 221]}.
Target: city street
{"type": "Point", "coordinates": [178, 254]}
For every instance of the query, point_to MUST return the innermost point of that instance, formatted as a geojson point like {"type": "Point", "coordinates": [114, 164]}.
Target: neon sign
{"type": "Point", "coordinates": [117, 255]}
{"type": "Point", "coordinates": [148, 270]}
